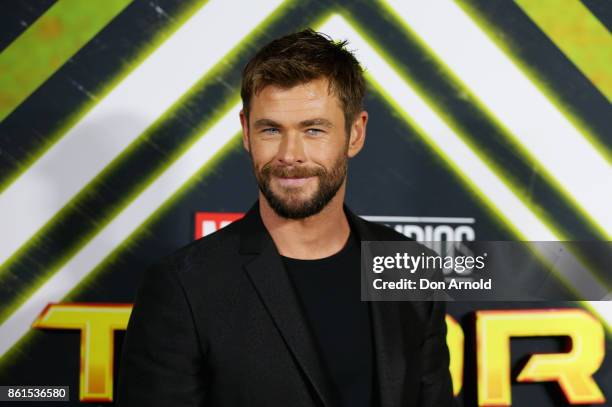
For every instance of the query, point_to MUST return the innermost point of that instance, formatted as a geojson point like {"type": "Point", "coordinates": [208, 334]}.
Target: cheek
{"type": "Point", "coordinates": [327, 155]}
{"type": "Point", "coordinates": [263, 153]}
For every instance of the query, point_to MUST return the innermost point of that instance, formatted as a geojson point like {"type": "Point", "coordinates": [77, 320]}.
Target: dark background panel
{"type": "Point", "coordinates": [397, 173]}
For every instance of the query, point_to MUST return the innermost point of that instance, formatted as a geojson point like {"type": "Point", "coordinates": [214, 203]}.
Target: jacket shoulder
{"type": "Point", "coordinates": [210, 249]}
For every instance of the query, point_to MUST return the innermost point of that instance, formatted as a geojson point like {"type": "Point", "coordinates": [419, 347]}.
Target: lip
{"type": "Point", "coordinates": [293, 182]}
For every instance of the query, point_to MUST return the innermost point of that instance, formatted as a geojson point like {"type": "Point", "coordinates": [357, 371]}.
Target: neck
{"type": "Point", "coordinates": [315, 237]}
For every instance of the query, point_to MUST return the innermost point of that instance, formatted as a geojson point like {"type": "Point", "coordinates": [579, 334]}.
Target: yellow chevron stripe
{"type": "Point", "coordinates": [579, 35]}
{"type": "Point", "coordinates": [44, 47]}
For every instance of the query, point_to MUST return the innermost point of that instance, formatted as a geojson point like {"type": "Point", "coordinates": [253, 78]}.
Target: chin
{"type": "Point", "coordinates": [294, 196]}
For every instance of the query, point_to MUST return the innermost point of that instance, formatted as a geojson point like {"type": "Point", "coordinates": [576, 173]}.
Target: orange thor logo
{"type": "Point", "coordinates": [572, 370]}
{"type": "Point", "coordinates": [97, 324]}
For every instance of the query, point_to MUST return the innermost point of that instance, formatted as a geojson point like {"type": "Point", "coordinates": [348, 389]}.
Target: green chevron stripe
{"type": "Point", "coordinates": [504, 44]}
{"type": "Point", "coordinates": [43, 48]}
{"type": "Point", "coordinates": [198, 129]}
{"type": "Point", "coordinates": [579, 34]}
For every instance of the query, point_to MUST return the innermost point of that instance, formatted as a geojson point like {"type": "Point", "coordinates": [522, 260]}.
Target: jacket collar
{"type": "Point", "coordinates": [254, 236]}
{"type": "Point", "coordinates": [391, 345]}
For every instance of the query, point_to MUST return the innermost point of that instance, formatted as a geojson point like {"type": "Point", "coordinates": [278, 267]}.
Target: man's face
{"type": "Point", "coordinates": [297, 141]}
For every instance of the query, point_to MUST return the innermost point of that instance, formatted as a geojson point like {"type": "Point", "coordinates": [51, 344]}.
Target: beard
{"type": "Point", "coordinates": [291, 204]}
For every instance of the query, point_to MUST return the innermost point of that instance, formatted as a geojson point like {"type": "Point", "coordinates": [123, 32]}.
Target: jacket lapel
{"type": "Point", "coordinates": [272, 283]}
{"type": "Point", "coordinates": [393, 347]}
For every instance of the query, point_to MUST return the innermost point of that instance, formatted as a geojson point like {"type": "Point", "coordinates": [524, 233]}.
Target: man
{"type": "Point", "coordinates": [267, 311]}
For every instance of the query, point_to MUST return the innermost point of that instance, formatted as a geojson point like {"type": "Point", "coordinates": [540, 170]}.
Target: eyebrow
{"type": "Point", "coordinates": [304, 123]}
{"type": "Point", "coordinates": [266, 123]}
{"type": "Point", "coordinates": [317, 122]}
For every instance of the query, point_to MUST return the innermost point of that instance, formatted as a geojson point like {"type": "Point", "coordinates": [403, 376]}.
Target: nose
{"type": "Point", "coordinates": [291, 149]}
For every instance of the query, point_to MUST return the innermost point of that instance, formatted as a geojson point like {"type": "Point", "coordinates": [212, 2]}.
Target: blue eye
{"type": "Point", "coordinates": [314, 132]}
{"type": "Point", "coordinates": [270, 130]}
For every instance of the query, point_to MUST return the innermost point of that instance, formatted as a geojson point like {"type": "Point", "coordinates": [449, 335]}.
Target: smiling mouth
{"type": "Point", "coordinates": [292, 181]}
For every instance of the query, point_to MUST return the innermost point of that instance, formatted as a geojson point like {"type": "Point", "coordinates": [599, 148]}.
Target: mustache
{"type": "Point", "coordinates": [292, 172]}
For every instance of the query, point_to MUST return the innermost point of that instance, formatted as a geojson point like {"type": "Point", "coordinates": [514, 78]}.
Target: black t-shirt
{"type": "Point", "coordinates": [330, 293]}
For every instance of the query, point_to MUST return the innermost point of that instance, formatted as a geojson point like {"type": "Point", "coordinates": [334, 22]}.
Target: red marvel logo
{"type": "Point", "coordinates": [209, 222]}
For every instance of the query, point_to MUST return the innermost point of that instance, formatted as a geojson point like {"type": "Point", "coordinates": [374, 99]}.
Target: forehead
{"type": "Point", "coordinates": [296, 103]}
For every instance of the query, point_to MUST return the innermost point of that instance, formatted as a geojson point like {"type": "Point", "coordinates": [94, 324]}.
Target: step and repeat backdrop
{"type": "Point", "coordinates": [120, 142]}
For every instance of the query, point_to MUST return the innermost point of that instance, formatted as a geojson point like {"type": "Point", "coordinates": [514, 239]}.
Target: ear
{"type": "Point", "coordinates": [244, 122]}
{"type": "Point", "coordinates": [358, 134]}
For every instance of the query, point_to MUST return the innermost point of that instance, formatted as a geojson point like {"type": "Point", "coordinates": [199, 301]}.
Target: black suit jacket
{"type": "Point", "coordinates": [218, 324]}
